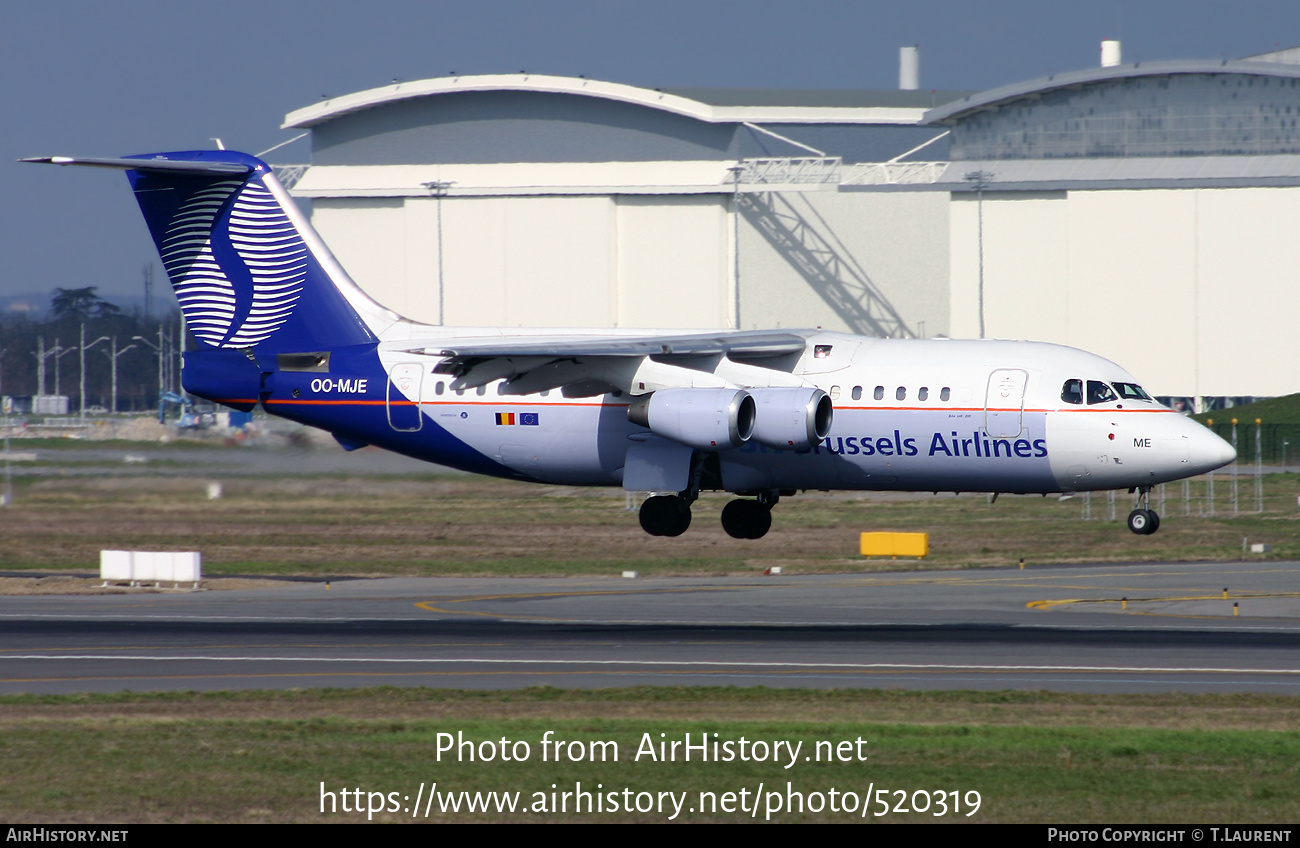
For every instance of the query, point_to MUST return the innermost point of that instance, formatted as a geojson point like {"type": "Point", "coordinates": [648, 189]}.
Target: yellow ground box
{"type": "Point", "coordinates": [895, 544]}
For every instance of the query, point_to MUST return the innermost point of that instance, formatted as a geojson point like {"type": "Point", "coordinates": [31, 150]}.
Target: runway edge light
{"type": "Point", "coordinates": [894, 544]}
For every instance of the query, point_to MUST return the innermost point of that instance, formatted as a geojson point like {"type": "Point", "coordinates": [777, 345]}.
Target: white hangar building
{"type": "Point", "coordinates": [1138, 211]}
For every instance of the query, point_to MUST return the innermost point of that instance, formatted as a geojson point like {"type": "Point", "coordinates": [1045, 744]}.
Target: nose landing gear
{"type": "Point", "coordinates": [1144, 521]}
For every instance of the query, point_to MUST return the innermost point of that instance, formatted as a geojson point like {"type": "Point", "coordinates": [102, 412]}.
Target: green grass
{"type": "Point", "coordinates": [1278, 410]}
{"type": "Point", "coordinates": [337, 526]}
{"type": "Point", "coordinates": [1032, 757]}
{"type": "Point", "coordinates": [1279, 422]}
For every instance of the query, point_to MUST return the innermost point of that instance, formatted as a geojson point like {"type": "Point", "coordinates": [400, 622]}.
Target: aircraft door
{"type": "Point", "coordinates": [403, 399]}
{"type": "Point", "coordinates": [1004, 403]}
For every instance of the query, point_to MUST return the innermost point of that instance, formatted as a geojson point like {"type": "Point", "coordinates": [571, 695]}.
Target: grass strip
{"type": "Point", "coordinates": [1032, 757]}
{"type": "Point", "coordinates": [470, 526]}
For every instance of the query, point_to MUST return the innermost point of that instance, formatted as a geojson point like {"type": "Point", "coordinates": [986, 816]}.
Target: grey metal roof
{"type": "Point", "coordinates": [728, 105]}
{"type": "Point", "coordinates": [1113, 173]}
{"type": "Point", "coordinates": [1286, 54]}
{"type": "Point", "coordinates": [950, 112]}
{"type": "Point", "coordinates": [848, 98]}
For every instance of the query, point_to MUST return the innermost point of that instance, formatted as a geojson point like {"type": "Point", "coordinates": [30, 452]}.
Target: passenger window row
{"type": "Point", "coordinates": [900, 393]}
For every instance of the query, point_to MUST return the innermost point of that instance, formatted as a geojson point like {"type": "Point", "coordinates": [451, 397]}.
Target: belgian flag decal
{"type": "Point", "coordinates": [527, 419]}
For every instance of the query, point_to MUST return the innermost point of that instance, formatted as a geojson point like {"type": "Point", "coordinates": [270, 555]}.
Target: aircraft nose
{"type": "Point", "coordinates": [1209, 451]}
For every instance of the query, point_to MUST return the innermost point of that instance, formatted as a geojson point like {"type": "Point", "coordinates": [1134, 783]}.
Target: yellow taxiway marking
{"type": "Point", "coordinates": [1217, 596]}
{"type": "Point", "coordinates": [528, 596]}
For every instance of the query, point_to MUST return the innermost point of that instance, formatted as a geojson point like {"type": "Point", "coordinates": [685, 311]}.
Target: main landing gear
{"type": "Point", "coordinates": [670, 515]}
{"type": "Point", "coordinates": [744, 519]}
{"type": "Point", "coordinates": [666, 515]}
{"type": "Point", "coordinates": [1144, 521]}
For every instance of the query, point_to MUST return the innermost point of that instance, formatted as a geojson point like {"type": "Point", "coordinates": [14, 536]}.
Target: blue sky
{"type": "Point", "coordinates": [134, 76]}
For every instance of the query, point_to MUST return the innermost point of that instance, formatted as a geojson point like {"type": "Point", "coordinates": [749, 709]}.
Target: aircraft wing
{"type": "Point", "coordinates": [587, 365]}
{"type": "Point", "coordinates": [738, 345]}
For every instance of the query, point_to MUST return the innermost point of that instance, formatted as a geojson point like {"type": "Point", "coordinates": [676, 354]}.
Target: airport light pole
{"type": "Point", "coordinates": [58, 353]}
{"type": "Point", "coordinates": [162, 351]}
{"type": "Point", "coordinates": [112, 358]}
{"type": "Point", "coordinates": [84, 348]}
{"type": "Point", "coordinates": [8, 498]}
{"type": "Point", "coordinates": [980, 180]}
{"type": "Point", "coordinates": [439, 189]}
{"type": "Point", "coordinates": [736, 171]}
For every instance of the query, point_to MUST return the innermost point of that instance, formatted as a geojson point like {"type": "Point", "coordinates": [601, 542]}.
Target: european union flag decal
{"type": "Point", "coordinates": [528, 419]}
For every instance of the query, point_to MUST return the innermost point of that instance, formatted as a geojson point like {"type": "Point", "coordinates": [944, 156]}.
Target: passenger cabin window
{"type": "Point", "coordinates": [1072, 391]}
{"type": "Point", "coordinates": [1131, 391]}
{"type": "Point", "coordinates": [857, 393]}
{"type": "Point", "coordinates": [901, 393]}
{"type": "Point", "coordinates": [923, 394]}
{"type": "Point", "coordinates": [437, 390]}
{"type": "Point", "coordinates": [501, 388]}
{"type": "Point", "coordinates": [460, 391]}
{"type": "Point", "coordinates": [1099, 392]}
{"type": "Point", "coordinates": [835, 392]}
{"type": "Point", "coordinates": [481, 390]}
{"type": "Point", "coordinates": [945, 393]}
{"type": "Point", "coordinates": [879, 393]}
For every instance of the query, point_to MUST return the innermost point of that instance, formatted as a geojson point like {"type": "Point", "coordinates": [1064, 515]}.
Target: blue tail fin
{"type": "Point", "coordinates": [248, 270]}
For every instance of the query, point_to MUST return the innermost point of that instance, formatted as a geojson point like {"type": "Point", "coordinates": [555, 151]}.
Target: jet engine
{"type": "Point", "coordinates": [791, 418]}
{"type": "Point", "coordinates": [704, 419]}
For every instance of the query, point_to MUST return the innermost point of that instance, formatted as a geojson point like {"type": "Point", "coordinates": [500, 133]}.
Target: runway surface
{"type": "Point", "coordinates": [1058, 628]}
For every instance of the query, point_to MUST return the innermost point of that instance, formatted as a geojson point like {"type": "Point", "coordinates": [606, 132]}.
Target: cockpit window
{"type": "Point", "coordinates": [1099, 392]}
{"type": "Point", "coordinates": [1072, 391]}
{"type": "Point", "coordinates": [1131, 391]}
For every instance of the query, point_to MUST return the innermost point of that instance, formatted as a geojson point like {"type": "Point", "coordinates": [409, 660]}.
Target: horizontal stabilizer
{"type": "Point", "coordinates": [189, 165]}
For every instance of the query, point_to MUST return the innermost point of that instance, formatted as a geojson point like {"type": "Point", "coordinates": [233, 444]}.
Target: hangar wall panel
{"type": "Point", "coordinates": [352, 227]}
{"type": "Point", "coordinates": [673, 262]}
{"type": "Point", "coordinates": [1189, 289]}
{"type": "Point", "coordinates": [1107, 271]}
{"type": "Point", "coordinates": [1026, 237]}
{"type": "Point", "coordinates": [529, 262]}
{"type": "Point", "coordinates": [898, 241]}
{"type": "Point", "coordinates": [1250, 302]}
{"type": "Point", "coordinates": [1133, 283]}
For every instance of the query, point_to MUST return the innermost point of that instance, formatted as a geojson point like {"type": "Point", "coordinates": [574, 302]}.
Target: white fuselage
{"type": "Point", "coordinates": [932, 415]}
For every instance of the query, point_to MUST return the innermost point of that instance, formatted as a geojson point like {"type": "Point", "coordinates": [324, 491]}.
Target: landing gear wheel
{"type": "Point", "coordinates": [746, 519]}
{"type": "Point", "coordinates": [1143, 522]}
{"type": "Point", "coordinates": [665, 515]}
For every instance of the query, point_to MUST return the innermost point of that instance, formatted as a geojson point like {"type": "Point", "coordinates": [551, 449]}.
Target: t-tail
{"type": "Point", "coordinates": [255, 282]}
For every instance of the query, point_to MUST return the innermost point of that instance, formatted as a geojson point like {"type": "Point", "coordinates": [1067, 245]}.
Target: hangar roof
{"type": "Point", "coordinates": [963, 106]}
{"type": "Point", "coordinates": [712, 105]}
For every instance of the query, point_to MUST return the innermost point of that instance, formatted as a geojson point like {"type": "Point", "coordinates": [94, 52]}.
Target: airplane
{"type": "Point", "coordinates": [279, 324]}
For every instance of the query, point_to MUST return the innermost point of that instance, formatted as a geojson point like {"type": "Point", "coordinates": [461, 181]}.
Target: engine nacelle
{"type": "Point", "coordinates": [792, 419]}
{"type": "Point", "coordinates": [704, 419]}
